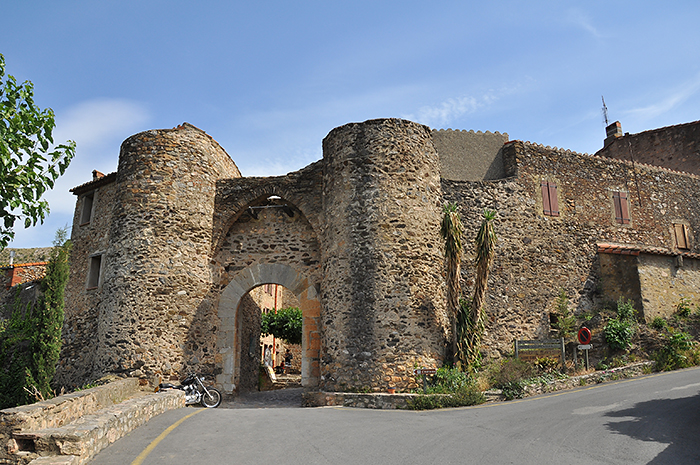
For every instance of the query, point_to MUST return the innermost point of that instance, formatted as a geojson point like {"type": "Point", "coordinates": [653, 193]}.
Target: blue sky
{"type": "Point", "coordinates": [269, 79]}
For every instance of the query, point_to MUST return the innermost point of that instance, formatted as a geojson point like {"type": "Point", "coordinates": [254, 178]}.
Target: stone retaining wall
{"type": "Point", "coordinates": [81, 423]}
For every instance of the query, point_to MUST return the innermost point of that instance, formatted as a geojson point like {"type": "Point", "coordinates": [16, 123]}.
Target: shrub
{"type": "Point", "coordinates": [683, 308]}
{"type": "Point", "coordinates": [658, 323]}
{"type": "Point", "coordinates": [546, 364]}
{"type": "Point", "coordinates": [619, 331]}
{"type": "Point", "coordinates": [448, 388]}
{"type": "Point", "coordinates": [508, 376]}
{"type": "Point", "coordinates": [618, 334]}
{"type": "Point", "coordinates": [565, 321]}
{"type": "Point", "coordinates": [679, 351]}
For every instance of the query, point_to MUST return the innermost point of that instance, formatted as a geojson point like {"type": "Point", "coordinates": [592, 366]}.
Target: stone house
{"type": "Point", "coordinates": [167, 249]}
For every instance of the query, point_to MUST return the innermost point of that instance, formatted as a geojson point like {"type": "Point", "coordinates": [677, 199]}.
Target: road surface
{"type": "Point", "coordinates": [650, 420]}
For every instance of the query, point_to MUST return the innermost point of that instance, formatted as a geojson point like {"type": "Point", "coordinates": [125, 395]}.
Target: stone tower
{"type": "Point", "coordinates": [383, 290]}
{"type": "Point", "coordinates": [156, 272]}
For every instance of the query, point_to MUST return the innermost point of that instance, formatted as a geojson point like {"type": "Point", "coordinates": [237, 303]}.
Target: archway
{"type": "Point", "coordinates": [228, 338]}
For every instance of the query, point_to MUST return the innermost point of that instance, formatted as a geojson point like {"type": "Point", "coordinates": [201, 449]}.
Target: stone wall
{"type": "Point", "coordinates": [674, 147]}
{"type": "Point", "coordinates": [355, 239]}
{"type": "Point", "coordinates": [664, 281]}
{"type": "Point", "coordinates": [481, 149]}
{"type": "Point", "coordinates": [90, 239]}
{"type": "Point", "coordinates": [383, 290]}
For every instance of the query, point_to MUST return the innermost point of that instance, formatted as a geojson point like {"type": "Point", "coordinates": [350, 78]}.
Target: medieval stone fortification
{"type": "Point", "coordinates": [167, 248]}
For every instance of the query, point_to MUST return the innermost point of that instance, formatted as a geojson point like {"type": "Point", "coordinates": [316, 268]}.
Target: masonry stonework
{"type": "Point", "coordinates": [184, 239]}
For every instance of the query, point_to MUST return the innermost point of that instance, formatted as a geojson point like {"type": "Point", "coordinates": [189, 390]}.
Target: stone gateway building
{"type": "Point", "coordinates": [167, 249]}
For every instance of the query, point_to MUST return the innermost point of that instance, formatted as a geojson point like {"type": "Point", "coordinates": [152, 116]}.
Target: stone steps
{"type": "Point", "coordinates": [75, 440]}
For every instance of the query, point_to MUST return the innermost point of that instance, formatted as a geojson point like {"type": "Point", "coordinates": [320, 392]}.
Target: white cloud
{"type": "Point", "coordinates": [677, 97]}
{"type": "Point", "coordinates": [581, 20]}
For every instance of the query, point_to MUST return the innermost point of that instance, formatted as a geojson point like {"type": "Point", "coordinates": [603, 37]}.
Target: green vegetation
{"type": "Point", "coordinates": [30, 342]}
{"type": "Point", "coordinates": [619, 331]}
{"type": "Point", "coordinates": [566, 321]}
{"type": "Point", "coordinates": [679, 351]}
{"type": "Point", "coordinates": [451, 232]}
{"type": "Point", "coordinates": [285, 324]}
{"type": "Point", "coordinates": [449, 387]}
{"type": "Point", "coordinates": [29, 163]}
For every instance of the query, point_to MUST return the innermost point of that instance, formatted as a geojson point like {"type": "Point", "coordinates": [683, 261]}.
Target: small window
{"type": "Point", "coordinates": [94, 272]}
{"type": "Point", "coordinates": [622, 207]}
{"type": "Point", "coordinates": [86, 213]}
{"type": "Point", "coordinates": [681, 233]}
{"type": "Point", "coordinates": [550, 203]}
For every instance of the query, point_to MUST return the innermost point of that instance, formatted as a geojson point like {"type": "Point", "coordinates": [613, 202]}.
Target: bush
{"type": "Point", "coordinates": [285, 324]}
{"type": "Point", "coordinates": [449, 387]}
{"type": "Point", "coordinates": [679, 351]}
{"type": "Point", "coordinates": [618, 334]}
{"type": "Point", "coordinates": [658, 323]}
{"type": "Point", "coordinates": [449, 380]}
{"type": "Point", "coordinates": [683, 308]}
{"type": "Point", "coordinates": [565, 321]}
{"type": "Point", "coordinates": [510, 370]}
{"type": "Point", "coordinates": [619, 331]}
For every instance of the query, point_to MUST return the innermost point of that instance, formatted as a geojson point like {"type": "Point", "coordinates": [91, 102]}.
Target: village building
{"type": "Point", "coordinates": [167, 249]}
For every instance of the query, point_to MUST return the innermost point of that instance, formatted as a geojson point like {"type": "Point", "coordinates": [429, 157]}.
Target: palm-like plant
{"type": "Point", "coordinates": [451, 232]}
{"type": "Point", "coordinates": [485, 248]}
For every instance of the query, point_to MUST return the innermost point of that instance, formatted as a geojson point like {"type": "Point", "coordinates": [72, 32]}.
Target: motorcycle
{"type": "Point", "coordinates": [195, 391]}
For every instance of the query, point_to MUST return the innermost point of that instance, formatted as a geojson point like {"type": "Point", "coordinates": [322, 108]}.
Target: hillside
{"type": "Point", "coordinates": [37, 254]}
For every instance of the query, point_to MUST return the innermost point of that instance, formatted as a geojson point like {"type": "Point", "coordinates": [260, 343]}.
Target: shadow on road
{"type": "Point", "coordinates": [282, 398]}
{"type": "Point", "coordinates": [667, 421]}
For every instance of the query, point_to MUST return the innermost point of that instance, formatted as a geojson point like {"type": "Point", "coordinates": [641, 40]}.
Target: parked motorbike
{"type": "Point", "coordinates": [195, 391]}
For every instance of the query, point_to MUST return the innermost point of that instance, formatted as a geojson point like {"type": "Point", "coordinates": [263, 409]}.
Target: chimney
{"type": "Point", "coordinates": [12, 257]}
{"type": "Point", "coordinates": [612, 132]}
{"type": "Point", "coordinates": [97, 175]}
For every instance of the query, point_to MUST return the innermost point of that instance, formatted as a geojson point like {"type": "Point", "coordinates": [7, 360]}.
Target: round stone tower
{"type": "Point", "coordinates": [383, 291]}
{"type": "Point", "coordinates": [155, 273]}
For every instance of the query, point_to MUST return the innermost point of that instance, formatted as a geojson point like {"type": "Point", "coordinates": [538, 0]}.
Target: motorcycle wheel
{"type": "Point", "coordinates": [212, 400]}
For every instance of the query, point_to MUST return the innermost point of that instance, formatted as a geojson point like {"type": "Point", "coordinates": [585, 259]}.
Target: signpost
{"type": "Point", "coordinates": [584, 338]}
{"type": "Point", "coordinates": [425, 372]}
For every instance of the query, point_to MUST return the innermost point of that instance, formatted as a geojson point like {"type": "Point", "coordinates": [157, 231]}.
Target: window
{"type": "Point", "coordinates": [86, 213]}
{"type": "Point", "coordinates": [622, 208]}
{"type": "Point", "coordinates": [550, 203]}
{"type": "Point", "coordinates": [680, 231]}
{"type": "Point", "coordinates": [94, 272]}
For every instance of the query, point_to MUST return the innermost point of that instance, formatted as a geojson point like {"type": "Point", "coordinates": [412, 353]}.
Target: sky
{"type": "Point", "coordinates": [270, 79]}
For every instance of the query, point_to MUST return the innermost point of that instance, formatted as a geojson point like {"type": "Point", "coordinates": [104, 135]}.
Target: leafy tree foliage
{"type": "Point", "coordinates": [30, 343]}
{"type": "Point", "coordinates": [285, 324]}
{"type": "Point", "coordinates": [29, 164]}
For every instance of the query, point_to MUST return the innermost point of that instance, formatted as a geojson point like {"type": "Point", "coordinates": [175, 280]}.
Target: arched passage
{"type": "Point", "coordinates": [228, 341]}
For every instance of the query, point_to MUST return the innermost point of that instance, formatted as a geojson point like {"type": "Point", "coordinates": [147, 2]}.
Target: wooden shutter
{"type": "Point", "coordinates": [681, 236]}
{"type": "Point", "coordinates": [622, 212]}
{"type": "Point", "coordinates": [550, 203]}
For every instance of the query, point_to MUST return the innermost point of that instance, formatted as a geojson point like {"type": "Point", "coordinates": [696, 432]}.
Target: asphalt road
{"type": "Point", "coordinates": [649, 420]}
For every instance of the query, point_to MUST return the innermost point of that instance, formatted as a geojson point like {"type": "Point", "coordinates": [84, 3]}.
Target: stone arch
{"type": "Point", "coordinates": [228, 343]}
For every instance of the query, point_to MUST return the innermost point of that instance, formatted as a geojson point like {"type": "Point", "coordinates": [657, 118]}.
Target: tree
{"type": "Point", "coordinates": [285, 324]}
{"type": "Point", "coordinates": [451, 232]}
{"type": "Point", "coordinates": [29, 163]}
{"type": "Point", "coordinates": [31, 342]}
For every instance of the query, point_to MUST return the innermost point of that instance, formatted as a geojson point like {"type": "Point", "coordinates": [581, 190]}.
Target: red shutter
{"type": "Point", "coordinates": [545, 198]}
{"type": "Point", "coordinates": [553, 201]}
{"type": "Point", "coordinates": [550, 204]}
{"type": "Point", "coordinates": [622, 211]}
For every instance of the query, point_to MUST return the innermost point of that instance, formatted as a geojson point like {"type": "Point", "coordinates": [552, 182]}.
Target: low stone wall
{"type": "Point", "coordinates": [400, 401]}
{"type": "Point", "coordinates": [79, 424]}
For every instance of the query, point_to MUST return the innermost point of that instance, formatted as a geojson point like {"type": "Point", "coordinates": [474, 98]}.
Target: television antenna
{"type": "Point", "coordinates": [605, 112]}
